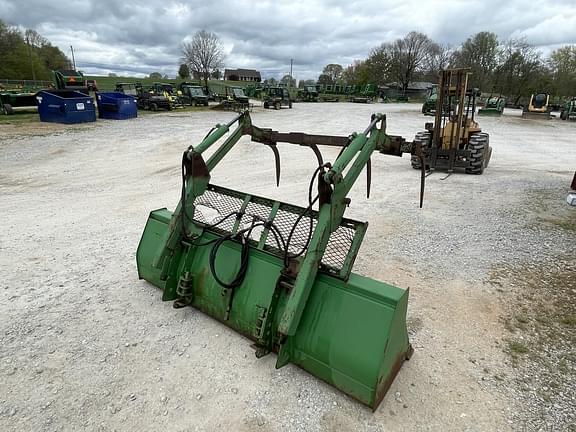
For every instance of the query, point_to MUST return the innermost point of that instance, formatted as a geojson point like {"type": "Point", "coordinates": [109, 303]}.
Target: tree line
{"type": "Point", "coordinates": [27, 55]}
{"type": "Point", "coordinates": [513, 67]}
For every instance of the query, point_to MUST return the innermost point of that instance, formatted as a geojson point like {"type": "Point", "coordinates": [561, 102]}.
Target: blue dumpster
{"type": "Point", "coordinates": [116, 106]}
{"type": "Point", "coordinates": [65, 106]}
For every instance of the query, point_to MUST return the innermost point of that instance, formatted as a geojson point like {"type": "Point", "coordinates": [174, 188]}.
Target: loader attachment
{"type": "Point", "coordinates": [281, 274]}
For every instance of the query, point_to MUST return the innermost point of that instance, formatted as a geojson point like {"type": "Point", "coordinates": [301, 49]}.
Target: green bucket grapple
{"type": "Point", "coordinates": [281, 274]}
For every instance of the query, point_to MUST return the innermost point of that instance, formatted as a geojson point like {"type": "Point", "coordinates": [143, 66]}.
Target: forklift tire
{"type": "Point", "coordinates": [266, 105]}
{"type": "Point", "coordinates": [8, 109]}
{"type": "Point", "coordinates": [422, 138]}
{"type": "Point", "coordinates": [169, 107]}
{"type": "Point", "coordinates": [154, 107]}
{"type": "Point", "coordinates": [290, 104]}
{"type": "Point", "coordinates": [480, 153]}
{"type": "Point", "coordinates": [562, 115]}
{"type": "Point", "coordinates": [277, 106]}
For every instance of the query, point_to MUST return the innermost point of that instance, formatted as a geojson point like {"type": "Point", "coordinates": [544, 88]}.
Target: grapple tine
{"type": "Point", "coordinates": [420, 155]}
{"type": "Point", "coordinates": [318, 154]}
{"type": "Point", "coordinates": [276, 162]}
{"type": "Point", "coordinates": [368, 177]}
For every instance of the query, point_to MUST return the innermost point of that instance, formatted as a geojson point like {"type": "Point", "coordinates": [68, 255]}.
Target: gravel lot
{"type": "Point", "coordinates": [85, 345]}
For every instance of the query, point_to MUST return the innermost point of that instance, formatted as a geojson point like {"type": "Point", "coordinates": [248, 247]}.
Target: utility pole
{"type": "Point", "coordinates": [30, 55]}
{"type": "Point", "coordinates": [290, 83]}
{"type": "Point", "coordinates": [73, 61]}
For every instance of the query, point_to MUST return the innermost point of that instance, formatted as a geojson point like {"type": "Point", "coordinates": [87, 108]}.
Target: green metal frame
{"type": "Point", "coordinates": [346, 329]}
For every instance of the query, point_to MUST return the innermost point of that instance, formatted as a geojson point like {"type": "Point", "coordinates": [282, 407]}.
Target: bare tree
{"type": "Point", "coordinates": [34, 39]}
{"type": "Point", "coordinates": [409, 55]}
{"type": "Point", "coordinates": [439, 59]}
{"type": "Point", "coordinates": [204, 54]}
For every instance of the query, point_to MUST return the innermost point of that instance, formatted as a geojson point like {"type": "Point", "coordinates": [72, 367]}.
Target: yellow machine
{"type": "Point", "coordinates": [538, 107]}
{"type": "Point", "coordinates": [454, 140]}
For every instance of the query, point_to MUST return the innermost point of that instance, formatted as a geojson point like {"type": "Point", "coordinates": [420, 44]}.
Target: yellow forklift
{"type": "Point", "coordinates": [454, 140]}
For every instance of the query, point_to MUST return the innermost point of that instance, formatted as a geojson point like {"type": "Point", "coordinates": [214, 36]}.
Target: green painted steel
{"type": "Point", "coordinates": [343, 328]}
{"type": "Point", "coordinates": [568, 111]}
{"type": "Point", "coordinates": [494, 106]}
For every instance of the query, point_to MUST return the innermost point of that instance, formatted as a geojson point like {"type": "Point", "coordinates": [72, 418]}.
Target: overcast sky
{"type": "Point", "coordinates": [134, 38]}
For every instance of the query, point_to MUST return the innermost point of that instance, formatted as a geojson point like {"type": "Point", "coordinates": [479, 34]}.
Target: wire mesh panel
{"type": "Point", "coordinates": [217, 203]}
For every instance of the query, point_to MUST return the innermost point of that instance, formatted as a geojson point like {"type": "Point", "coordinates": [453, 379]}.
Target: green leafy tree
{"type": "Point", "coordinates": [289, 81]}
{"type": "Point", "coordinates": [562, 66]}
{"type": "Point", "coordinates": [520, 69]}
{"type": "Point", "coordinates": [28, 55]}
{"type": "Point", "coordinates": [333, 71]}
{"type": "Point", "coordinates": [356, 73]}
{"type": "Point", "coordinates": [378, 65]}
{"type": "Point", "coordinates": [217, 74]}
{"type": "Point", "coordinates": [325, 79]}
{"type": "Point", "coordinates": [183, 71]}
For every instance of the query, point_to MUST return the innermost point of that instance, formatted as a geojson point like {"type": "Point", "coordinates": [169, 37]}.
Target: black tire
{"type": "Point", "coordinates": [290, 104]}
{"type": "Point", "coordinates": [563, 115]}
{"type": "Point", "coordinates": [266, 105]}
{"type": "Point", "coordinates": [8, 109]}
{"type": "Point", "coordinates": [154, 107]}
{"type": "Point", "coordinates": [423, 138]}
{"type": "Point", "coordinates": [480, 153]}
{"type": "Point", "coordinates": [277, 106]}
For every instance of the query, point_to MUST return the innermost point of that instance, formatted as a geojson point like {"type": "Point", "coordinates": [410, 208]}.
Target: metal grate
{"type": "Point", "coordinates": [218, 202]}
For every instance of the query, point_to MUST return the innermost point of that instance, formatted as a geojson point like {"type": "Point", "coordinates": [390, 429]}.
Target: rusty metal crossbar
{"type": "Point", "coordinates": [217, 202]}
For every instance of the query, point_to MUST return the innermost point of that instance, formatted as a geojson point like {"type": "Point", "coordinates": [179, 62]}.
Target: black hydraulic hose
{"type": "Point", "coordinates": [311, 202]}
{"type": "Point", "coordinates": [244, 256]}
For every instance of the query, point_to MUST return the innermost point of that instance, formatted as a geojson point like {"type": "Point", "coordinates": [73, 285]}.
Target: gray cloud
{"type": "Point", "coordinates": [145, 36]}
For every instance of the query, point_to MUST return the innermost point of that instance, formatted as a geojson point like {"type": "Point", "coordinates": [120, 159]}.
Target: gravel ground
{"type": "Point", "coordinates": [85, 345]}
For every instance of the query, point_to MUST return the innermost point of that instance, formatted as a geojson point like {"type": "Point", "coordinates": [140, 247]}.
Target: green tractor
{"type": "Point", "coordinates": [494, 106]}
{"type": "Point", "coordinates": [233, 99]}
{"type": "Point", "coordinates": [128, 88]}
{"type": "Point", "coordinates": [192, 94]}
{"type": "Point", "coordinates": [568, 111]}
{"type": "Point", "coordinates": [429, 105]}
{"type": "Point", "coordinates": [277, 97]}
{"type": "Point", "coordinates": [167, 90]}
{"type": "Point", "coordinates": [150, 99]}
{"type": "Point", "coordinates": [308, 94]}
